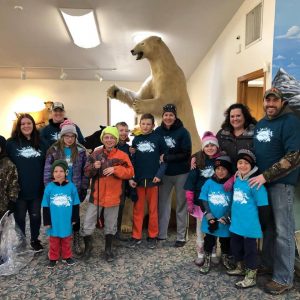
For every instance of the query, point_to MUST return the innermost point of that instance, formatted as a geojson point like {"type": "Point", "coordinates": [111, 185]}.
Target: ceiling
{"type": "Point", "coordinates": [33, 36]}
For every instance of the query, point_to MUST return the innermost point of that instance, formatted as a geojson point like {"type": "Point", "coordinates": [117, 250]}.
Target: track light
{"type": "Point", "coordinates": [63, 75]}
{"type": "Point", "coordinates": [23, 74]}
{"type": "Point", "coordinates": [98, 77]}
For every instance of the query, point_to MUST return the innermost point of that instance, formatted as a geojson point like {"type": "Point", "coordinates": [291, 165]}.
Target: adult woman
{"type": "Point", "coordinates": [237, 130]}
{"type": "Point", "coordinates": [179, 144]}
{"type": "Point", "coordinates": [75, 154]}
{"type": "Point", "coordinates": [27, 152]}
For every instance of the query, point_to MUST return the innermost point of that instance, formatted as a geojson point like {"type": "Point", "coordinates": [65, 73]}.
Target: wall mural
{"type": "Point", "coordinates": [286, 51]}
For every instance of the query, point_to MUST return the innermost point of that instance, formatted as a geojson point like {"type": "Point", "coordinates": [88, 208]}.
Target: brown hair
{"type": "Point", "coordinates": [59, 144]}
{"type": "Point", "coordinates": [147, 116]}
{"type": "Point", "coordinates": [18, 135]}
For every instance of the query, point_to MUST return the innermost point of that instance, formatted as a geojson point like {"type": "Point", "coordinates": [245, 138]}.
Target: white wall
{"type": "Point", "coordinates": [85, 101]}
{"type": "Point", "coordinates": [213, 85]}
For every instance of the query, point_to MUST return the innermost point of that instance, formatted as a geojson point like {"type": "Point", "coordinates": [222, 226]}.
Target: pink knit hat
{"type": "Point", "coordinates": [209, 138]}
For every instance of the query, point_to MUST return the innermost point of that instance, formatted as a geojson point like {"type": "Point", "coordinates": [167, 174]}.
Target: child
{"type": "Point", "coordinates": [216, 202]}
{"type": "Point", "coordinates": [148, 173]}
{"type": "Point", "coordinates": [108, 167]}
{"type": "Point", "coordinates": [9, 187]}
{"type": "Point", "coordinates": [60, 210]}
{"type": "Point", "coordinates": [68, 148]}
{"type": "Point", "coordinates": [248, 203]}
{"type": "Point", "coordinates": [204, 169]}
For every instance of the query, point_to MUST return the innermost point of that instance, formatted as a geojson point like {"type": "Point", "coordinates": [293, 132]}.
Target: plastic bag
{"type": "Point", "coordinates": [14, 253]}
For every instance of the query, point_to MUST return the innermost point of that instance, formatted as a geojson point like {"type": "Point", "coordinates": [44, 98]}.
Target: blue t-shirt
{"type": "Point", "coordinates": [219, 202]}
{"type": "Point", "coordinates": [68, 154]}
{"type": "Point", "coordinates": [244, 211]}
{"type": "Point", "coordinates": [273, 139]}
{"type": "Point", "coordinates": [60, 200]}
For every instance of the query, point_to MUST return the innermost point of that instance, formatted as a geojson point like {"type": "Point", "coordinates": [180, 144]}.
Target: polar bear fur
{"type": "Point", "coordinates": [166, 84]}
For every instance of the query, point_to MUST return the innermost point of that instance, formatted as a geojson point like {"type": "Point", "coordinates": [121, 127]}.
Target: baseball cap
{"type": "Point", "coordinates": [273, 91]}
{"type": "Point", "coordinates": [59, 105]}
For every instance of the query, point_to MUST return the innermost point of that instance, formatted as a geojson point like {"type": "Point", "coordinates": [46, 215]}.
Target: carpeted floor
{"type": "Point", "coordinates": [142, 273]}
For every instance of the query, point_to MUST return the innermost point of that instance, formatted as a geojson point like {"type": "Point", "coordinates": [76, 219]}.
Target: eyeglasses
{"type": "Point", "coordinates": [69, 136]}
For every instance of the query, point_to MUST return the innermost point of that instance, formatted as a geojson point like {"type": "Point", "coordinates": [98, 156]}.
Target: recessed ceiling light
{"type": "Point", "coordinates": [82, 26]}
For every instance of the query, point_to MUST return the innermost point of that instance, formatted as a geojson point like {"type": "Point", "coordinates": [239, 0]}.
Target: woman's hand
{"type": "Point", "coordinates": [108, 171]}
{"type": "Point", "coordinates": [156, 180]}
{"type": "Point", "coordinates": [132, 183]}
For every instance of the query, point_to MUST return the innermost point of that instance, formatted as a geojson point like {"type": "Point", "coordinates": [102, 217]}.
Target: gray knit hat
{"type": "Point", "coordinates": [68, 127]}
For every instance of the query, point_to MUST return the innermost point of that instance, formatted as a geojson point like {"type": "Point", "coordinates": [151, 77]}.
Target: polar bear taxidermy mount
{"type": "Point", "coordinates": [166, 84]}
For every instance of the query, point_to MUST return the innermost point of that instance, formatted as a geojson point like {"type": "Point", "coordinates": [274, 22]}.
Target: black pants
{"type": "Point", "coordinates": [34, 210]}
{"type": "Point", "coordinates": [76, 226]}
{"type": "Point", "coordinates": [244, 249]}
{"type": "Point", "coordinates": [210, 241]}
{"type": "Point", "coordinates": [121, 206]}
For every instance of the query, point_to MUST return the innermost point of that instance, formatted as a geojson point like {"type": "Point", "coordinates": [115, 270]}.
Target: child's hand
{"type": "Point", "coordinates": [211, 221]}
{"type": "Point", "coordinates": [161, 158]}
{"type": "Point", "coordinates": [73, 223]}
{"type": "Point", "coordinates": [132, 183]}
{"type": "Point", "coordinates": [108, 171]}
{"type": "Point", "coordinates": [47, 226]}
{"type": "Point", "coordinates": [221, 220]}
{"type": "Point", "coordinates": [193, 163]}
{"type": "Point", "coordinates": [97, 164]}
{"type": "Point", "coordinates": [156, 180]}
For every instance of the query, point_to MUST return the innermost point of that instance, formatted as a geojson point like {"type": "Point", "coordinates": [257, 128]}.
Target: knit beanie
{"type": "Point", "coordinates": [170, 108]}
{"type": "Point", "coordinates": [110, 130]}
{"type": "Point", "coordinates": [209, 138]}
{"type": "Point", "coordinates": [223, 161]}
{"type": "Point", "coordinates": [59, 162]}
{"type": "Point", "coordinates": [248, 156]}
{"type": "Point", "coordinates": [67, 126]}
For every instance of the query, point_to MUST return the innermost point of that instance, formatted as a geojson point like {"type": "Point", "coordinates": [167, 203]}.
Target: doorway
{"type": "Point", "coordinates": [250, 90]}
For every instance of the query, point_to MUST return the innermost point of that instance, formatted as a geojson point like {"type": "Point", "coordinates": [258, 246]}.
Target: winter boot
{"type": "Point", "coordinates": [109, 256]}
{"type": "Point", "coordinates": [214, 258]}
{"type": "Point", "coordinates": [206, 265]}
{"type": "Point", "coordinates": [76, 243]}
{"type": "Point", "coordinates": [226, 262]}
{"type": "Point", "coordinates": [238, 271]}
{"type": "Point", "coordinates": [248, 281]}
{"type": "Point", "coordinates": [88, 246]}
{"type": "Point", "coordinates": [200, 253]}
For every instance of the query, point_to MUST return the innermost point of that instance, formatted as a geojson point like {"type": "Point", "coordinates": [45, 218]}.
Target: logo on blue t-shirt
{"type": "Point", "coordinates": [170, 142]}
{"type": "Point", "coordinates": [240, 196]}
{"type": "Point", "coordinates": [28, 152]}
{"type": "Point", "coordinates": [264, 135]}
{"type": "Point", "coordinates": [61, 200]}
{"type": "Point", "coordinates": [218, 199]}
{"type": "Point", "coordinates": [145, 146]}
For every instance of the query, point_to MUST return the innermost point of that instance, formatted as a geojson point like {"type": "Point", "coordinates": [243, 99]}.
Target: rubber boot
{"type": "Point", "coordinates": [226, 262]}
{"type": "Point", "coordinates": [109, 256]}
{"type": "Point", "coordinates": [238, 271]}
{"type": "Point", "coordinates": [206, 265]}
{"type": "Point", "coordinates": [248, 281]}
{"type": "Point", "coordinates": [76, 243]}
{"type": "Point", "coordinates": [88, 246]}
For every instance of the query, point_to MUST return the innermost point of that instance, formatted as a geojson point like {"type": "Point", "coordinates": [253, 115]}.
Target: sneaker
{"type": "Point", "coordinates": [36, 246]}
{"type": "Point", "coordinates": [275, 288]}
{"type": "Point", "coordinates": [134, 243]}
{"type": "Point", "coordinates": [152, 243]}
{"type": "Point", "coordinates": [69, 261]}
{"type": "Point", "coordinates": [179, 244]}
{"type": "Point", "coordinates": [52, 264]}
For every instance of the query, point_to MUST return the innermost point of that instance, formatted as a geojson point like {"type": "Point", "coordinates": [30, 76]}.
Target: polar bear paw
{"type": "Point", "coordinates": [112, 91]}
{"type": "Point", "coordinates": [138, 106]}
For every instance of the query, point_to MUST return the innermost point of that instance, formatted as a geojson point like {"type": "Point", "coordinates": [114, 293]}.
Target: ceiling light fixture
{"type": "Point", "coordinates": [63, 75]}
{"type": "Point", "coordinates": [98, 77]}
{"type": "Point", "coordinates": [82, 26]}
{"type": "Point", "coordinates": [23, 74]}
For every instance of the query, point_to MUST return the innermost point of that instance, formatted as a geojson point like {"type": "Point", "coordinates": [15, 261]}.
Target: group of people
{"type": "Point", "coordinates": [239, 186]}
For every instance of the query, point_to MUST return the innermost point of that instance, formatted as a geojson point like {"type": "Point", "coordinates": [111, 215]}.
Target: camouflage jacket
{"type": "Point", "coordinates": [9, 187]}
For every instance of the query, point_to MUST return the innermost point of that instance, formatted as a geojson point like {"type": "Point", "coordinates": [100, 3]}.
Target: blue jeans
{"type": "Point", "coordinates": [278, 250]}
{"type": "Point", "coordinates": [34, 210]}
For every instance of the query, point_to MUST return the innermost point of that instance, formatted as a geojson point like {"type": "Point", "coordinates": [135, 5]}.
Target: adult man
{"type": "Point", "coordinates": [277, 144]}
{"type": "Point", "coordinates": [50, 133]}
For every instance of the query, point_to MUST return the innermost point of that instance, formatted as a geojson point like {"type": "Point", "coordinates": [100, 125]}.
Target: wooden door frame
{"type": "Point", "coordinates": [242, 84]}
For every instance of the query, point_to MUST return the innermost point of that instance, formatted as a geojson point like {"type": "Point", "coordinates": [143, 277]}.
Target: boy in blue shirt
{"type": "Point", "coordinates": [217, 203]}
{"type": "Point", "coordinates": [60, 210]}
{"type": "Point", "coordinates": [148, 173]}
{"type": "Point", "coordinates": [245, 222]}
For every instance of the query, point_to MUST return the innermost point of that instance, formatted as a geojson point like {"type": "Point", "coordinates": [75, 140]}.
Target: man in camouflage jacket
{"type": "Point", "coordinates": [277, 143]}
{"type": "Point", "coordinates": [9, 187]}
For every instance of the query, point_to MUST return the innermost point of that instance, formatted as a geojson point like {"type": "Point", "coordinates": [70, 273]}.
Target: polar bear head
{"type": "Point", "coordinates": [148, 47]}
